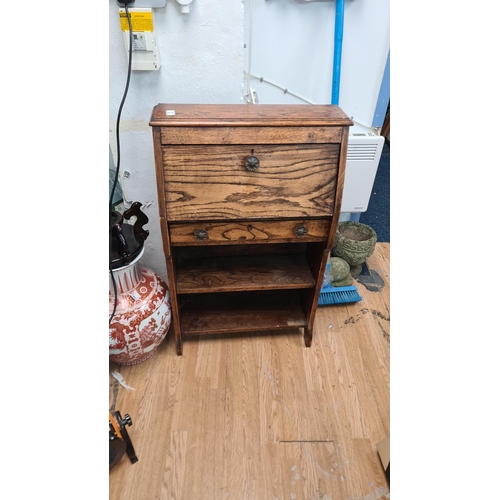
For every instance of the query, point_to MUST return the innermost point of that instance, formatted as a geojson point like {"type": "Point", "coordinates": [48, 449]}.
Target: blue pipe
{"type": "Point", "coordinates": [337, 51]}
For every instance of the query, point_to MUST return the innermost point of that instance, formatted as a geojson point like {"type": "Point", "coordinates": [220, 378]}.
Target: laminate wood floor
{"type": "Point", "coordinates": [261, 417]}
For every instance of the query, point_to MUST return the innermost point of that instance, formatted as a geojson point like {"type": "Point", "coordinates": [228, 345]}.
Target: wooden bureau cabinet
{"type": "Point", "coordinates": [249, 199]}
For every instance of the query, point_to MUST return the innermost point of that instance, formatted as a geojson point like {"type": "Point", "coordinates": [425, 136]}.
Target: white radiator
{"type": "Point", "coordinates": [363, 157]}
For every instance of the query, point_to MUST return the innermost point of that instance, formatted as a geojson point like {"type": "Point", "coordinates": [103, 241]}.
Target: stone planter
{"type": "Point", "coordinates": [354, 242]}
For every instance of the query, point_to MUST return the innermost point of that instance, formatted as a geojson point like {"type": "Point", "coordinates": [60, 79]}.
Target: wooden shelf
{"type": "Point", "coordinates": [241, 312]}
{"type": "Point", "coordinates": [231, 274]}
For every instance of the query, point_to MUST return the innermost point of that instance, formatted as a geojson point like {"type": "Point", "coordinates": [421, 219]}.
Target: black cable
{"type": "Point", "coordinates": [118, 160]}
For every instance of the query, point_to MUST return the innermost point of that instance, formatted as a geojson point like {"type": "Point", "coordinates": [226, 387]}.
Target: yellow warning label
{"type": "Point", "coordinates": [141, 21]}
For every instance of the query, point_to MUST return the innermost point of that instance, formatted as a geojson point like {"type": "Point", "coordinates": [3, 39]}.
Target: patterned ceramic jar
{"type": "Point", "coordinates": [143, 314]}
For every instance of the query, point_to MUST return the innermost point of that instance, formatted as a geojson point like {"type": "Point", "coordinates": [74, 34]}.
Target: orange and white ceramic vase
{"type": "Point", "coordinates": [142, 316]}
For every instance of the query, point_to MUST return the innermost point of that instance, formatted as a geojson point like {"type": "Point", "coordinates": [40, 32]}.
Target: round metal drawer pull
{"type": "Point", "coordinates": [300, 231]}
{"type": "Point", "coordinates": [252, 163]}
{"type": "Point", "coordinates": [200, 235]}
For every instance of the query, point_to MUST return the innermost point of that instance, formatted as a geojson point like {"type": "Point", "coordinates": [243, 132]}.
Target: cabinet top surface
{"type": "Point", "coordinates": [189, 115]}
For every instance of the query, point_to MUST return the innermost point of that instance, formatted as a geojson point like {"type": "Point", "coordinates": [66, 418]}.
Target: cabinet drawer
{"type": "Point", "coordinates": [229, 233]}
{"type": "Point", "coordinates": [209, 182]}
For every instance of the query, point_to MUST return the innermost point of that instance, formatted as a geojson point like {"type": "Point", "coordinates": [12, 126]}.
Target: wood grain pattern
{"type": "Point", "coordinates": [318, 255]}
{"type": "Point", "coordinates": [339, 189]}
{"type": "Point", "coordinates": [176, 322]}
{"type": "Point", "coordinates": [260, 417]}
{"type": "Point", "coordinates": [250, 135]}
{"type": "Point", "coordinates": [229, 233]}
{"type": "Point", "coordinates": [160, 182]}
{"type": "Point", "coordinates": [228, 274]}
{"type": "Point", "coordinates": [247, 175]}
{"type": "Point", "coordinates": [263, 115]}
{"type": "Point", "coordinates": [241, 312]}
{"type": "Point", "coordinates": [211, 182]}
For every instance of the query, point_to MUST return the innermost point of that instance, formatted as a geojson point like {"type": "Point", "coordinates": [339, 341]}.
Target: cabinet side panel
{"type": "Point", "coordinates": [160, 183]}
{"type": "Point", "coordinates": [339, 186]}
{"type": "Point", "coordinates": [160, 186]}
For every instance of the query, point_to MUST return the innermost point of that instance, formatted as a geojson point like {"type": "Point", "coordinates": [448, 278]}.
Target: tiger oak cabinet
{"type": "Point", "coordinates": [249, 199]}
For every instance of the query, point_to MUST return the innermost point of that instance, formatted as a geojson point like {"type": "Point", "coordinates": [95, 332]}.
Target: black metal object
{"type": "Point", "coordinates": [117, 448]}
{"type": "Point", "coordinates": [127, 240]}
{"type": "Point", "coordinates": [252, 163]}
{"type": "Point", "coordinates": [119, 440]}
{"type": "Point", "coordinates": [300, 231]}
{"type": "Point", "coordinates": [200, 234]}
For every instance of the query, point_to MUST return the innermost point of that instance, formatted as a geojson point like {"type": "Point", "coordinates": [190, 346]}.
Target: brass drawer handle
{"type": "Point", "coordinates": [252, 163]}
{"type": "Point", "coordinates": [200, 235]}
{"type": "Point", "coordinates": [300, 231]}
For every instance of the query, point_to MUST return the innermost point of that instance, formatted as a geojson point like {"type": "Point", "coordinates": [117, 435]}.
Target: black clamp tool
{"type": "Point", "coordinates": [119, 440]}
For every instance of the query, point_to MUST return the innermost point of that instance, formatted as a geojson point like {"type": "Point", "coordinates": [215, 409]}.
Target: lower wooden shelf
{"type": "Point", "coordinates": [203, 314]}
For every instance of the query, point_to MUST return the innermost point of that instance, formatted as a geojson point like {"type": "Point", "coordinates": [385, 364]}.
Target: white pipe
{"type": "Point", "coordinates": [285, 90]}
{"type": "Point", "coordinates": [184, 5]}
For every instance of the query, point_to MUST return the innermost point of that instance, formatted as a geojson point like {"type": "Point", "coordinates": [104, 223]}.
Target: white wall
{"type": "Point", "coordinates": [202, 58]}
{"type": "Point", "coordinates": [292, 46]}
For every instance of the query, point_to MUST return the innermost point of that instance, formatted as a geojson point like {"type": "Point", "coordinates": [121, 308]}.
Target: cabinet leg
{"type": "Point", "coordinates": [308, 336]}
{"type": "Point", "coordinates": [178, 346]}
